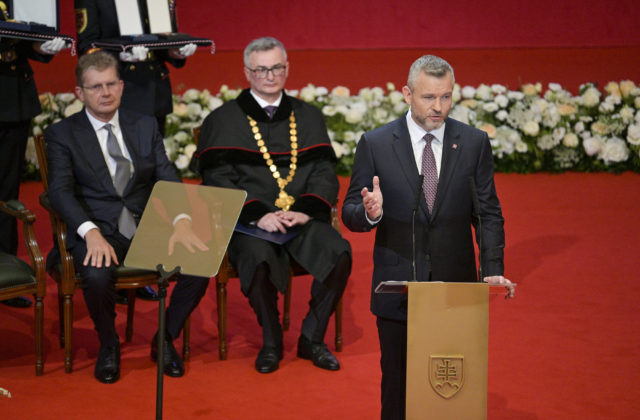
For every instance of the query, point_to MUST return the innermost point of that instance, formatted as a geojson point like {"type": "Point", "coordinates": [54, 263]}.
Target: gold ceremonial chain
{"type": "Point", "coordinates": [284, 200]}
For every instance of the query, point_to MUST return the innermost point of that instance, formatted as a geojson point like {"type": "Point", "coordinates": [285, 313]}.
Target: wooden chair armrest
{"type": "Point", "coordinates": [16, 209]}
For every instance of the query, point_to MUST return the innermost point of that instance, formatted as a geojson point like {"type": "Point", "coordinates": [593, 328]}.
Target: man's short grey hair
{"type": "Point", "coordinates": [431, 65]}
{"type": "Point", "coordinates": [263, 44]}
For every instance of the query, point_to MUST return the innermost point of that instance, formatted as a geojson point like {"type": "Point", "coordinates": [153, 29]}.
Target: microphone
{"type": "Point", "coordinates": [416, 202]}
{"type": "Point", "coordinates": [476, 214]}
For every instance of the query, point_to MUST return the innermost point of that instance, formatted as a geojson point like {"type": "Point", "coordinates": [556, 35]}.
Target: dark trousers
{"type": "Point", "coordinates": [393, 362]}
{"type": "Point", "coordinates": [13, 143]}
{"type": "Point", "coordinates": [99, 293]}
{"type": "Point", "coordinates": [325, 295]}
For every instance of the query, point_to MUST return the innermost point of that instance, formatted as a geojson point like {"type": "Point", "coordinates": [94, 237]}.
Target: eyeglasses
{"type": "Point", "coordinates": [262, 72]}
{"type": "Point", "coordinates": [98, 87]}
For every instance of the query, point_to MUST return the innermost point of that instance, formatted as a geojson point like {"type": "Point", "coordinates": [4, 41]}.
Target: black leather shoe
{"type": "Point", "coordinates": [107, 368]}
{"type": "Point", "coordinates": [268, 359]}
{"type": "Point", "coordinates": [318, 353]}
{"type": "Point", "coordinates": [17, 302]}
{"type": "Point", "coordinates": [173, 364]}
{"type": "Point", "coordinates": [147, 293]}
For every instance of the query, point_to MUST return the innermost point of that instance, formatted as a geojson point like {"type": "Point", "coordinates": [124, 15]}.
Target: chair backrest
{"type": "Point", "coordinates": [58, 226]}
{"type": "Point", "coordinates": [41, 153]}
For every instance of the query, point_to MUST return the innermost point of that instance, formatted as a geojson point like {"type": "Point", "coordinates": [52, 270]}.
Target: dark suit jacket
{"type": "Point", "coordinates": [444, 240]}
{"type": "Point", "coordinates": [80, 186]}
{"type": "Point", "coordinates": [19, 98]}
{"type": "Point", "coordinates": [147, 85]}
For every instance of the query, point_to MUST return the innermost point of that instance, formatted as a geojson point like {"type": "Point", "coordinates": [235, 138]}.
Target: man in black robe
{"type": "Point", "coordinates": [277, 149]}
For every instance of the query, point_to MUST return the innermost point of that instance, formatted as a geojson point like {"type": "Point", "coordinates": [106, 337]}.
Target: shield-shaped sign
{"type": "Point", "coordinates": [446, 374]}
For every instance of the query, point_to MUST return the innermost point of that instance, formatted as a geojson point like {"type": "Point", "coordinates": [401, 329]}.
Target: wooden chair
{"type": "Point", "coordinates": [64, 274]}
{"type": "Point", "coordinates": [227, 271]}
{"type": "Point", "coordinates": [18, 278]}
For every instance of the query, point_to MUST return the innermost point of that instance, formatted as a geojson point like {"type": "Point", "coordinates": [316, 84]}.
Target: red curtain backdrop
{"type": "Point", "coordinates": [360, 44]}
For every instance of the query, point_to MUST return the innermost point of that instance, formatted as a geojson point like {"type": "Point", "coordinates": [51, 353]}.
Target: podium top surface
{"type": "Point", "coordinates": [213, 211]}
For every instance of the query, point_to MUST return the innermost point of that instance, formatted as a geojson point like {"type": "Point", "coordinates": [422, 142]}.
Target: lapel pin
{"type": "Point", "coordinates": [455, 146]}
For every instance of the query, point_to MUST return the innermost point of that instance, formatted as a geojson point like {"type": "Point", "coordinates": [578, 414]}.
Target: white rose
{"type": "Point", "coordinates": [531, 128]}
{"type": "Point", "coordinates": [490, 107]}
{"type": "Point", "coordinates": [341, 91]}
{"type": "Point", "coordinates": [349, 135]}
{"type": "Point", "coordinates": [76, 106]}
{"type": "Point", "coordinates": [329, 110]}
{"type": "Point", "coordinates": [191, 95]}
{"type": "Point", "coordinates": [460, 113]}
{"type": "Point", "coordinates": [633, 134]}
{"type": "Point", "coordinates": [193, 110]}
{"type": "Point", "coordinates": [555, 87]}
{"type": "Point", "coordinates": [522, 147]}
{"type": "Point", "coordinates": [468, 92]}
{"type": "Point", "coordinates": [189, 149]}
{"type": "Point", "coordinates": [391, 87]}
{"type": "Point", "coordinates": [308, 93]}
{"type": "Point", "coordinates": [570, 140]}
{"type": "Point", "coordinates": [65, 97]}
{"type": "Point", "coordinates": [181, 162]}
{"type": "Point", "coordinates": [606, 107]}
{"type": "Point", "coordinates": [484, 92]}
{"type": "Point", "coordinates": [591, 97]}
{"type": "Point", "coordinates": [501, 100]}
{"type": "Point", "coordinates": [321, 91]}
{"type": "Point", "coordinates": [380, 114]}
{"type": "Point", "coordinates": [498, 89]}
{"type": "Point", "coordinates": [592, 145]}
{"type": "Point", "coordinates": [337, 148]}
{"type": "Point", "coordinates": [515, 96]}
{"type": "Point", "coordinates": [614, 150]}
{"type": "Point", "coordinates": [399, 108]}
{"type": "Point", "coordinates": [214, 103]}
{"type": "Point", "coordinates": [181, 136]}
{"type": "Point", "coordinates": [502, 115]}
{"type": "Point", "coordinates": [39, 119]}
{"type": "Point", "coordinates": [396, 97]}
{"type": "Point", "coordinates": [346, 149]}
{"type": "Point", "coordinates": [626, 113]}
{"type": "Point", "coordinates": [354, 116]}
{"type": "Point", "coordinates": [579, 127]}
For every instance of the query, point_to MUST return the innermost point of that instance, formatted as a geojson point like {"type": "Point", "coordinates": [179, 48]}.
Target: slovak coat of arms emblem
{"type": "Point", "coordinates": [446, 374]}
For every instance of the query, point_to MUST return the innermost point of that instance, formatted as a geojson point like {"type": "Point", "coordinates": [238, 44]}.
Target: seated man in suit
{"type": "Point", "coordinates": [103, 163]}
{"type": "Point", "coordinates": [265, 142]}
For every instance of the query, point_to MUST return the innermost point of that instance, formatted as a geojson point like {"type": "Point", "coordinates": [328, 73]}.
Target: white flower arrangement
{"type": "Point", "coordinates": [530, 131]}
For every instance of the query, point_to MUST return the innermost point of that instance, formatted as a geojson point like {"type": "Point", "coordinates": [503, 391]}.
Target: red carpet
{"type": "Point", "coordinates": [566, 348]}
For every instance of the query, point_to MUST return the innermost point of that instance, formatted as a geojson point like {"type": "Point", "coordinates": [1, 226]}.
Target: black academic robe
{"type": "Point", "coordinates": [228, 156]}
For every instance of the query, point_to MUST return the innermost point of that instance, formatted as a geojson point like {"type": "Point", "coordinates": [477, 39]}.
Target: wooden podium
{"type": "Point", "coordinates": [447, 350]}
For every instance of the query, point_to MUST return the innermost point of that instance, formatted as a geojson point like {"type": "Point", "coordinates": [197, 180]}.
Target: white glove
{"type": "Point", "coordinates": [53, 46]}
{"type": "Point", "coordinates": [183, 52]}
{"type": "Point", "coordinates": [138, 53]}
{"type": "Point", "coordinates": [188, 50]}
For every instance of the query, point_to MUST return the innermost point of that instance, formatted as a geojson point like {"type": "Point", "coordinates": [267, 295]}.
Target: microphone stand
{"type": "Point", "coordinates": [416, 202]}
{"type": "Point", "coordinates": [476, 215]}
{"type": "Point", "coordinates": [163, 283]}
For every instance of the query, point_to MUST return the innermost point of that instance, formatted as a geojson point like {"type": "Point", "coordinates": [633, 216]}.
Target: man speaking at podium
{"type": "Point", "coordinates": [431, 170]}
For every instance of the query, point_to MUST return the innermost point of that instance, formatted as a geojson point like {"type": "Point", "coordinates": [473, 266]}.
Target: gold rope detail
{"type": "Point", "coordinates": [284, 200]}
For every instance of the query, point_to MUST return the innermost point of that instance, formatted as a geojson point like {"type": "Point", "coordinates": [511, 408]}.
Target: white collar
{"type": "Point", "coordinates": [264, 103]}
{"type": "Point", "coordinates": [97, 124]}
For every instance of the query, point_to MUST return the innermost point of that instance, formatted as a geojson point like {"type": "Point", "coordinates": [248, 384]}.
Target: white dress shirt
{"type": "Point", "coordinates": [102, 135]}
